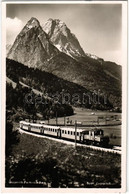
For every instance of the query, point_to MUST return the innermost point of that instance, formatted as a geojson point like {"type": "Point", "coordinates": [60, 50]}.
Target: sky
{"type": "Point", "coordinates": [98, 27]}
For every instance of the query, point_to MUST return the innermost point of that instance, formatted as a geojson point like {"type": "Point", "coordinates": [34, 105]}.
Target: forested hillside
{"type": "Point", "coordinates": [60, 90]}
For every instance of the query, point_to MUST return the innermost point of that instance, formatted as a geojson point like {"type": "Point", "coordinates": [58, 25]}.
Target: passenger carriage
{"type": "Point", "coordinates": [33, 127]}
{"type": "Point", "coordinates": [52, 130]}
{"type": "Point", "coordinates": [69, 133]}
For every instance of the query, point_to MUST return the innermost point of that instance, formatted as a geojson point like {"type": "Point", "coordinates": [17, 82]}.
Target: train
{"type": "Point", "coordinates": [92, 136]}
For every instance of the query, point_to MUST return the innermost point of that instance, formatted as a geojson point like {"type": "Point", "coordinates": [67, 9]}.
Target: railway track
{"type": "Point", "coordinates": [115, 151]}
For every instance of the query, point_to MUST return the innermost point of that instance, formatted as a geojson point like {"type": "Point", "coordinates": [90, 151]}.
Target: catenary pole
{"type": "Point", "coordinates": [75, 134]}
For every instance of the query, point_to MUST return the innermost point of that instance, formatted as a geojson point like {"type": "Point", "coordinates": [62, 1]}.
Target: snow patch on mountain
{"type": "Point", "coordinates": [92, 56]}
{"type": "Point", "coordinates": [61, 37]}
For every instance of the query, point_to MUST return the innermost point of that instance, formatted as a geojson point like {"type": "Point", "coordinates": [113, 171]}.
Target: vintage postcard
{"type": "Point", "coordinates": [64, 96]}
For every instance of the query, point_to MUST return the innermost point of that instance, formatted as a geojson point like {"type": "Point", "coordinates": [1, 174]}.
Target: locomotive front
{"type": "Point", "coordinates": [95, 137]}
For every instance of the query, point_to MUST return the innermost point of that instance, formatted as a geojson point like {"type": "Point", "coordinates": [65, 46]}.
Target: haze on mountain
{"type": "Point", "coordinates": [54, 49]}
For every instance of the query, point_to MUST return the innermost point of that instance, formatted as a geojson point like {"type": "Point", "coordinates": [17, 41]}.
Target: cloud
{"type": "Point", "coordinates": [13, 27]}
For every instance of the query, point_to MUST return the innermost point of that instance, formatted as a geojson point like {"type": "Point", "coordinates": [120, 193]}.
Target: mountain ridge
{"type": "Point", "coordinates": [34, 48]}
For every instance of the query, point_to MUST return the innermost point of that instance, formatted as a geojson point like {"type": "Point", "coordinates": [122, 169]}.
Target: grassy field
{"type": "Point", "coordinates": [53, 164]}
{"type": "Point", "coordinates": [88, 116]}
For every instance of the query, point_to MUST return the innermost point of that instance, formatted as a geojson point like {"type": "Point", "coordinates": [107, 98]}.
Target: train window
{"type": "Point", "coordinates": [77, 133]}
{"type": "Point", "coordinates": [71, 132]}
{"type": "Point", "coordinates": [65, 132]}
{"type": "Point", "coordinates": [87, 132]}
{"type": "Point", "coordinates": [62, 131]}
{"type": "Point", "coordinates": [74, 133]}
{"type": "Point", "coordinates": [97, 133]}
{"type": "Point", "coordinates": [68, 132]}
{"type": "Point", "coordinates": [101, 132]}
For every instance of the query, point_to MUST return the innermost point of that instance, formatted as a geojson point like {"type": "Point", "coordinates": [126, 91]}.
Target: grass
{"type": "Point", "coordinates": [59, 165]}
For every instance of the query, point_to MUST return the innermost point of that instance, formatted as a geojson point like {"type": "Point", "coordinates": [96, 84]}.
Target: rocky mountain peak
{"type": "Point", "coordinates": [32, 43]}
{"type": "Point", "coordinates": [32, 23]}
{"type": "Point", "coordinates": [61, 36]}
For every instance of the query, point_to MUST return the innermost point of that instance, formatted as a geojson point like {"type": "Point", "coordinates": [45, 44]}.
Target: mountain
{"type": "Point", "coordinates": [32, 46]}
{"type": "Point", "coordinates": [61, 36]}
{"type": "Point", "coordinates": [37, 49]}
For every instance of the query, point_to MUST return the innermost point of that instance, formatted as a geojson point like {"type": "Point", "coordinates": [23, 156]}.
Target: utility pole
{"type": "Point", "coordinates": [106, 119]}
{"type": "Point", "coordinates": [75, 134]}
{"type": "Point", "coordinates": [98, 120]}
{"type": "Point", "coordinates": [64, 119]}
{"type": "Point", "coordinates": [33, 117]}
{"type": "Point", "coordinates": [48, 120]}
{"type": "Point", "coordinates": [56, 119]}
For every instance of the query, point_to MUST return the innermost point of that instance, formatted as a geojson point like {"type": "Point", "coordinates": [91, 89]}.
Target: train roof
{"type": "Point", "coordinates": [71, 129]}
{"type": "Point", "coordinates": [24, 122]}
{"type": "Point", "coordinates": [50, 126]}
{"type": "Point", "coordinates": [62, 128]}
{"type": "Point", "coordinates": [32, 124]}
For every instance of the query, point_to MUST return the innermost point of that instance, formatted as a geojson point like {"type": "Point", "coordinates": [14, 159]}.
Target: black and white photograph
{"type": "Point", "coordinates": [64, 71]}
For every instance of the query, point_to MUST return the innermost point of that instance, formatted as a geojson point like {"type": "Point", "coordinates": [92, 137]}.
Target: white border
{"type": "Point", "coordinates": [124, 100]}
